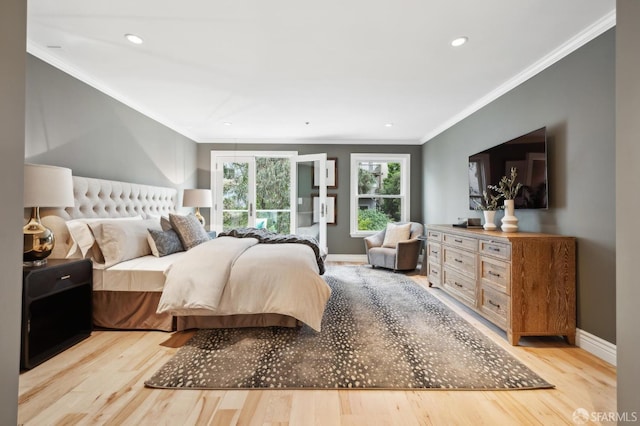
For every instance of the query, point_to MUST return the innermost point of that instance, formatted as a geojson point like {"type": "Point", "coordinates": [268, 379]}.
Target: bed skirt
{"type": "Point", "coordinates": [129, 310]}
{"type": "Point", "coordinates": [136, 310]}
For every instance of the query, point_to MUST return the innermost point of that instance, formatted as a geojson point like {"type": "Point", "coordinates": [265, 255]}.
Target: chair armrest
{"type": "Point", "coordinates": [407, 253]}
{"type": "Point", "coordinates": [374, 240]}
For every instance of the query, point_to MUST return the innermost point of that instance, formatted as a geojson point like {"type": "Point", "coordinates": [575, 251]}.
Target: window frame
{"type": "Point", "coordinates": [405, 187]}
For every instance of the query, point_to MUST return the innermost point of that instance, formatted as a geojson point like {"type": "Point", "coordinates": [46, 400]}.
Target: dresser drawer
{"type": "Point", "coordinates": [495, 306]}
{"type": "Point", "coordinates": [496, 272]}
{"type": "Point", "coordinates": [500, 250]}
{"type": "Point", "coordinates": [463, 261]}
{"type": "Point", "coordinates": [434, 273]}
{"type": "Point", "coordinates": [434, 251]}
{"type": "Point", "coordinates": [434, 235]}
{"type": "Point", "coordinates": [462, 242]}
{"type": "Point", "coordinates": [462, 287]}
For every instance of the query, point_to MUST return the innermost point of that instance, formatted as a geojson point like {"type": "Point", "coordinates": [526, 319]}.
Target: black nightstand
{"type": "Point", "coordinates": [56, 308]}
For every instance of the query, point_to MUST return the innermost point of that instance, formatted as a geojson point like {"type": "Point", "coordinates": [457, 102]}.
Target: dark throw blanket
{"type": "Point", "coordinates": [265, 236]}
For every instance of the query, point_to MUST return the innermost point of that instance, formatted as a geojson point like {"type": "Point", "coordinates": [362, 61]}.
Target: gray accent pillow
{"type": "Point", "coordinates": [189, 230]}
{"type": "Point", "coordinates": [165, 224]}
{"type": "Point", "coordinates": [163, 243]}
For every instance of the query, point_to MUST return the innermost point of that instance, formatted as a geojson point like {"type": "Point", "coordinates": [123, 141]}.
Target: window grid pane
{"type": "Point", "coordinates": [379, 177]}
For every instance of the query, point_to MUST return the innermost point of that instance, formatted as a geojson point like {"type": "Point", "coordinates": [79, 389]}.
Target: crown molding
{"type": "Point", "coordinates": [58, 63]}
{"type": "Point", "coordinates": [597, 28]}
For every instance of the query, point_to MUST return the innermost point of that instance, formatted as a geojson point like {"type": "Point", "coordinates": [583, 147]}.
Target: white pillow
{"type": "Point", "coordinates": [396, 233]}
{"type": "Point", "coordinates": [82, 237]}
{"type": "Point", "coordinates": [123, 240]}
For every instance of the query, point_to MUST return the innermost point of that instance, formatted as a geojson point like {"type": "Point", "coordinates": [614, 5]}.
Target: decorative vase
{"type": "Point", "coordinates": [509, 221]}
{"type": "Point", "coordinates": [489, 220]}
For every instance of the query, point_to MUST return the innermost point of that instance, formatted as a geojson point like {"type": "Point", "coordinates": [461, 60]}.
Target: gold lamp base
{"type": "Point", "coordinates": [200, 217]}
{"type": "Point", "coordinates": [38, 241]}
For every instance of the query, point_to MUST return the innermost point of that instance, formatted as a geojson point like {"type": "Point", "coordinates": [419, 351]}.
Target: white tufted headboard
{"type": "Point", "coordinates": [96, 198]}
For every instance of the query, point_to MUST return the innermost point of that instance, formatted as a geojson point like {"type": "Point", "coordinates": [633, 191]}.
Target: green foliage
{"type": "Point", "coordinates": [273, 180]}
{"type": "Point", "coordinates": [366, 180]}
{"type": "Point", "coordinates": [371, 220]}
{"type": "Point", "coordinates": [507, 187]}
{"type": "Point", "coordinates": [489, 201]}
{"type": "Point", "coordinates": [391, 186]}
{"type": "Point", "coordinates": [235, 185]}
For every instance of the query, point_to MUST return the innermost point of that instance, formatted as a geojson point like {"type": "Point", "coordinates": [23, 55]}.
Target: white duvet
{"type": "Point", "coordinates": [229, 276]}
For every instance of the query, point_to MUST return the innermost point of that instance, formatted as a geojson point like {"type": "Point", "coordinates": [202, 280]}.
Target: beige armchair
{"type": "Point", "coordinates": [403, 256]}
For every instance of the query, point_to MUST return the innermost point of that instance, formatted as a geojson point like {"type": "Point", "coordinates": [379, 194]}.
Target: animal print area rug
{"type": "Point", "coordinates": [380, 331]}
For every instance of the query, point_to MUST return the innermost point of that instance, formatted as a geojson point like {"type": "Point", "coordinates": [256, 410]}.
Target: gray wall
{"type": "Point", "coordinates": [627, 203]}
{"type": "Point", "coordinates": [71, 124]}
{"type": "Point", "coordinates": [575, 99]}
{"type": "Point", "coordinates": [338, 239]}
{"type": "Point", "coordinates": [13, 25]}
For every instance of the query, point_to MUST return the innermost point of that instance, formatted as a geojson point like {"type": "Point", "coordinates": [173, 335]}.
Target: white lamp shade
{"type": "Point", "coordinates": [47, 186]}
{"type": "Point", "coordinates": [196, 198]}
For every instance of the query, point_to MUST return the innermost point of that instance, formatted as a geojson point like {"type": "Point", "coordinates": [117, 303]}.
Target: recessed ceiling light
{"type": "Point", "coordinates": [459, 41]}
{"type": "Point", "coordinates": [227, 123]}
{"type": "Point", "coordinates": [388, 125]}
{"type": "Point", "coordinates": [134, 38]}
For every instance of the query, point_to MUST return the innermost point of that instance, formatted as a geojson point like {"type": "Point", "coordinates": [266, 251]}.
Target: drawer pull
{"type": "Point", "coordinates": [434, 251]}
{"type": "Point", "coordinates": [457, 285]}
{"type": "Point", "coordinates": [458, 241]}
{"type": "Point", "coordinates": [458, 260]}
{"type": "Point", "coordinates": [496, 249]}
{"type": "Point", "coordinates": [434, 272]}
{"type": "Point", "coordinates": [65, 277]}
{"type": "Point", "coordinates": [492, 303]}
{"type": "Point", "coordinates": [435, 235]}
{"type": "Point", "coordinates": [494, 274]}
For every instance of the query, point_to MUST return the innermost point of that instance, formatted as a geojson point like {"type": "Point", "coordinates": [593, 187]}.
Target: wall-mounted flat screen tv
{"type": "Point", "coordinates": [528, 154]}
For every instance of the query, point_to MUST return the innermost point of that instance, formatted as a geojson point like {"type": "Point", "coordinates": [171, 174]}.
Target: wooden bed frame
{"type": "Point", "coordinates": [135, 310]}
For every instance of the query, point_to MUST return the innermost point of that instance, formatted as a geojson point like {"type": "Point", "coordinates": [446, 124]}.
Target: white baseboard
{"type": "Point", "coordinates": [347, 258]}
{"type": "Point", "coordinates": [596, 346]}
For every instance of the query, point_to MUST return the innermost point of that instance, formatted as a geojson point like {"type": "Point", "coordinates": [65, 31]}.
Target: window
{"type": "Point", "coordinates": [379, 191]}
{"type": "Point", "coordinates": [252, 188]}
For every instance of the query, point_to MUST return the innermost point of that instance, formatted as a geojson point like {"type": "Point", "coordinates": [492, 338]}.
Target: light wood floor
{"type": "Point", "coordinates": [100, 381]}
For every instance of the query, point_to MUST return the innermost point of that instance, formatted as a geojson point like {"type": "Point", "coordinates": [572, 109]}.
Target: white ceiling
{"type": "Point", "coordinates": [345, 67]}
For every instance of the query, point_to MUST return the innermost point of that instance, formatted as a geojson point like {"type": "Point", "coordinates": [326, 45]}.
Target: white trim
{"type": "Point", "coordinates": [360, 258]}
{"type": "Point", "coordinates": [302, 141]}
{"type": "Point", "coordinates": [605, 23]}
{"type": "Point", "coordinates": [604, 350]}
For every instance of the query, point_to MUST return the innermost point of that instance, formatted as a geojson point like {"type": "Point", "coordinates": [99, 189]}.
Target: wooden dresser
{"type": "Point", "coordinates": [523, 282]}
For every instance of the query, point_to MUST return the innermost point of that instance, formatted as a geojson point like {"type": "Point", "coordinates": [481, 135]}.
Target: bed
{"type": "Point", "coordinates": [129, 280]}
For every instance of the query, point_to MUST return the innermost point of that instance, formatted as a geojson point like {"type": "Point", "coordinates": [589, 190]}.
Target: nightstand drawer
{"type": "Point", "coordinates": [50, 280]}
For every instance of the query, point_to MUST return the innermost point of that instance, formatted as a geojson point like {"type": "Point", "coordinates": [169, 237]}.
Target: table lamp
{"type": "Point", "coordinates": [44, 186]}
{"type": "Point", "coordinates": [197, 198]}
